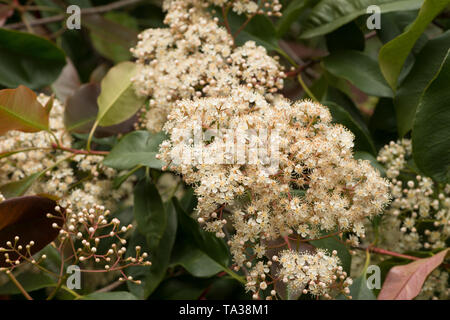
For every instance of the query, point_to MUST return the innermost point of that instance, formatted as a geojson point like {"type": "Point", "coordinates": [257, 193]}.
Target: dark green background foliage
{"type": "Point", "coordinates": [381, 84]}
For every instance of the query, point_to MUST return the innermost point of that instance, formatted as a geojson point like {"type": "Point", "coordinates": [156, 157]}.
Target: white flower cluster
{"type": "Point", "coordinates": [316, 272]}
{"type": "Point", "coordinates": [196, 79]}
{"type": "Point", "coordinates": [317, 187]}
{"type": "Point", "coordinates": [419, 215]}
{"type": "Point", "coordinates": [83, 179]}
{"type": "Point", "coordinates": [418, 202]}
{"type": "Point", "coordinates": [250, 7]}
{"type": "Point", "coordinates": [195, 58]}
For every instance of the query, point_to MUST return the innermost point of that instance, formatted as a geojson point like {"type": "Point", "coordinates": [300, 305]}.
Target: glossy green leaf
{"type": "Point", "coordinates": [347, 37]}
{"type": "Point", "coordinates": [119, 24]}
{"type": "Point", "coordinates": [260, 29]}
{"type": "Point", "coordinates": [360, 69]}
{"type": "Point", "coordinates": [383, 123]}
{"type": "Point", "coordinates": [152, 276]}
{"type": "Point", "coordinates": [29, 281]}
{"type": "Point", "coordinates": [431, 129]}
{"type": "Point", "coordinates": [291, 13]}
{"type": "Point", "coordinates": [20, 110]}
{"type": "Point", "coordinates": [20, 187]}
{"type": "Point", "coordinates": [149, 212]}
{"type": "Point", "coordinates": [359, 290]}
{"type": "Point", "coordinates": [408, 95]}
{"type": "Point", "coordinates": [328, 15]}
{"type": "Point", "coordinates": [136, 148]}
{"type": "Point", "coordinates": [394, 53]}
{"type": "Point", "coordinates": [118, 101]}
{"type": "Point", "coordinates": [184, 287]}
{"type": "Point", "coordinates": [29, 60]}
{"type": "Point", "coordinates": [200, 252]}
{"type": "Point", "coordinates": [363, 141]}
{"type": "Point", "coordinates": [195, 261]}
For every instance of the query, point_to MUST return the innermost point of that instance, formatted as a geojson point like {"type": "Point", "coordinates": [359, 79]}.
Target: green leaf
{"type": "Point", "coordinates": [408, 95]}
{"type": "Point", "coordinates": [121, 25]}
{"type": "Point", "coordinates": [394, 23]}
{"type": "Point", "coordinates": [291, 13]}
{"type": "Point", "coordinates": [383, 123]}
{"type": "Point", "coordinates": [149, 212]}
{"type": "Point", "coordinates": [360, 69]}
{"type": "Point", "coordinates": [431, 130]}
{"type": "Point", "coordinates": [347, 37]}
{"type": "Point", "coordinates": [260, 29]}
{"type": "Point", "coordinates": [26, 59]}
{"type": "Point", "coordinates": [20, 110]}
{"type": "Point", "coordinates": [29, 281]}
{"type": "Point", "coordinates": [331, 244]}
{"type": "Point", "coordinates": [118, 295]}
{"type": "Point", "coordinates": [328, 15]}
{"type": "Point", "coordinates": [359, 290]}
{"type": "Point", "coordinates": [152, 276]}
{"type": "Point", "coordinates": [18, 188]}
{"type": "Point", "coordinates": [363, 141]}
{"type": "Point", "coordinates": [118, 101]}
{"type": "Point", "coordinates": [198, 251]}
{"type": "Point", "coordinates": [184, 287]}
{"type": "Point", "coordinates": [394, 53]}
{"type": "Point", "coordinates": [136, 148]}
{"type": "Point", "coordinates": [195, 261]}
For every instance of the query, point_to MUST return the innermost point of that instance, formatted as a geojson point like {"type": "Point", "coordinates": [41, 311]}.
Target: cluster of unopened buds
{"type": "Point", "coordinates": [318, 274]}
{"type": "Point", "coordinates": [83, 234]}
{"type": "Point", "coordinates": [16, 249]}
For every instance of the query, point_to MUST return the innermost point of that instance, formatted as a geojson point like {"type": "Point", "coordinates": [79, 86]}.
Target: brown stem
{"type": "Point", "coordinates": [301, 68]}
{"type": "Point", "coordinates": [85, 11]}
{"type": "Point", "coordinates": [77, 151]}
{"type": "Point", "coordinates": [387, 252]}
{"type": "Point", "coordinates": [19, 286]}
{"type": "Point", "coordinates": [225, 20]}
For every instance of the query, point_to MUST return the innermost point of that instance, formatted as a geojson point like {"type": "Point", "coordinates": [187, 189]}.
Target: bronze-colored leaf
{"type": "Point", "coordinates": [26, 217]}
{"type": "Point", "coordinates": [405, 282]}
{"type": "Point", "coordinates": [20, 110]}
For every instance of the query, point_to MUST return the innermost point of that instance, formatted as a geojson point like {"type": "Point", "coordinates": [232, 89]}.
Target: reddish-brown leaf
{"type": "Point", "coordinates": [405, 282]}
{"type": "Point", "coordinates": [20, 110]}
{"type": "Point", "coordinates": [26, 217]}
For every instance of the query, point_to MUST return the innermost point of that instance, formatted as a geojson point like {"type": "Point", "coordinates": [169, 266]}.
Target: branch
{"type": "Point", "coordinates": [76, 151]}
{"type": "Point", "coordinates": [85, 11]}
{"type": "Point", "coordinates": [387, 253]}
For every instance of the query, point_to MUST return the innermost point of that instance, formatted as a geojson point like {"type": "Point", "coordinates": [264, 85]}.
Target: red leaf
{"type": "Point", "coordinates": [26, 217]}
{"type": "Point", "coordinates": [405, 282]}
